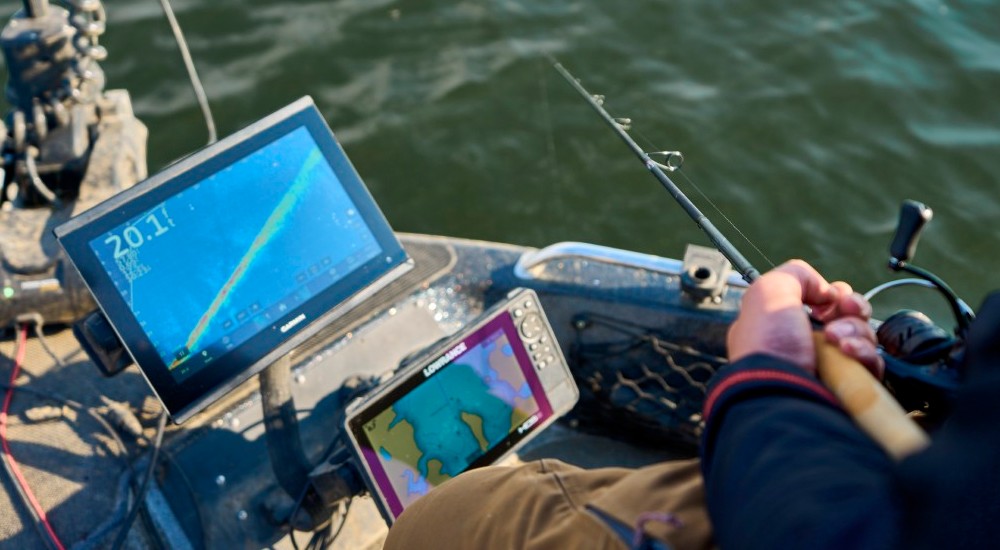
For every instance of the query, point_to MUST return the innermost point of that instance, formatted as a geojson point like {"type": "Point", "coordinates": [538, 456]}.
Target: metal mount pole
{"type": "Point", "coordinates": [284, 442]}
{"type": "Point", "coordinates": [36, 8]}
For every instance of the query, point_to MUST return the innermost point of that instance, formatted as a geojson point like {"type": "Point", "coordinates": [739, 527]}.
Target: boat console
{"type": "Point", "coordinates": [218, 267]}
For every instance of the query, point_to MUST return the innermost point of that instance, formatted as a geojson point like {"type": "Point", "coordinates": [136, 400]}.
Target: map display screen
{"type": "Point", "coordinates": [243, 267]}
{"type": "Point", "coordinates": [463, 410]}
{"type": "Point", "coordinates": [225, 261]}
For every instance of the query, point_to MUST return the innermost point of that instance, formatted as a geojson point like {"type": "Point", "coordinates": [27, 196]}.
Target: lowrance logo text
{"type": "Point", "coordinates": [444, 360]}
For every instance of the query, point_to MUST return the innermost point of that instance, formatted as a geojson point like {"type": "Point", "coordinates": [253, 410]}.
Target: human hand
{"type": "Point", "coordinates": [772, 319]}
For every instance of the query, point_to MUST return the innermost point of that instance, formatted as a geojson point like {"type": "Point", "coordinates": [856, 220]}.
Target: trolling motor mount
{"type": "Point", "coordinates": [69, 144]}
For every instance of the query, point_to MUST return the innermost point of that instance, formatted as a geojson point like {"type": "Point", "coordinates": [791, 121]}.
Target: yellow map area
{"type": "Point", "coordinates": [398, 441]}
{"type": "Point", "coordinates": [475, 423]}
{"type": "Point", "coordinates": [509, 371]}
{"type": "Point", "coordinates": [434, 475]}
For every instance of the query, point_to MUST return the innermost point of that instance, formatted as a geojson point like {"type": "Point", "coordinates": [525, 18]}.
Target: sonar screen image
{"type": "Point", "coordinates": [250, 243]}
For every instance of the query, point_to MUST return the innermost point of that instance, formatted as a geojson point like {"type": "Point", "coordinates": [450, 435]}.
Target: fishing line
{"type": "Point", "coordinates": [672, 160]}
{"type": "Point", "coordinates": [725, 217]}
{"type": "Point", "coordinates": [550, 142]}
{"type": "Point", "coordinates": [715, 207]}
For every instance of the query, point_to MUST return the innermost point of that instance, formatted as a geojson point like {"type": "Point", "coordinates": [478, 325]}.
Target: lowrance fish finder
{"type": "Point", "coordinates": [220, 264]}
{"type": "Point", "coordinates": [464, 403]}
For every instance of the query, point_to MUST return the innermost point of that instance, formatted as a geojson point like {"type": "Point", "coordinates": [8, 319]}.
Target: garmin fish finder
{"type": "Point", "coordinates": [220, 264]}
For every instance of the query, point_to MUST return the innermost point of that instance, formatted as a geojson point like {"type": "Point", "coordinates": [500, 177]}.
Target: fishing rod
{"type": "Point", "coordinates": [864, 398]}
{"type": "Point", "coordinates": [673, 159]}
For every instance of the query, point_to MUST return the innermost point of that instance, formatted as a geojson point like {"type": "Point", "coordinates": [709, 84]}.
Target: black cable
{"type": "Point", "coordinates": [291, 516]}
{"type": "Point", "coordinates": [36, 521]}
{"type": "Point", "coordinates": [326, 536]}
{"type": "Point", "coordinates": [97, 535]}
{"type": "Point", "coordinates": [298, 504]}
{"type": "Point", "coordinates": [199, 90]}
{"type": "Point", "coordinates": [25, 501]}
{"type": "Point", "coordinates": [38, 324]}
{"type": "Point", "coordinates": [123, 449]}
{"type": "Point", "coordinates": [141, 494]}
{"type": "Point", "coordinates": [318, 539]}
{"type": "Point", "coordinates": [45, 345]}
{"type": "Point", "coordinates": [122, 452]}
{"type": "Point", "coordinates": [347, 508]}
{"type": "Point", "coordinates": [52, 396]}
{"type": "Point", "coordinates": [189, 485]}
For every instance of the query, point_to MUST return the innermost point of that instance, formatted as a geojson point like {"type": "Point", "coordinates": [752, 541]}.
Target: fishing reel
{"type": "Point", "coordinates": [922, 360]}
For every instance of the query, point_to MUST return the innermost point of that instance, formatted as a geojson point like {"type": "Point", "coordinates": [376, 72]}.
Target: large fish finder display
{"type": "Point", "coordinates": [214, 268]}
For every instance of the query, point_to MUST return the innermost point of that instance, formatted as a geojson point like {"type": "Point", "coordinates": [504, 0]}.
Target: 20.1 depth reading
{"type": "Point", "coordinates": [157, 221]}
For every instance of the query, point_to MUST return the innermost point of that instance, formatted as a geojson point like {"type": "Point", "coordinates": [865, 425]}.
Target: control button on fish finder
{"type": "Point", "coordinates": [531, 326]}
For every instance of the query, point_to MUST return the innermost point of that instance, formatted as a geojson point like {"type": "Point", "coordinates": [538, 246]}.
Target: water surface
{"type": "Point", "coordinates": [805, 123]}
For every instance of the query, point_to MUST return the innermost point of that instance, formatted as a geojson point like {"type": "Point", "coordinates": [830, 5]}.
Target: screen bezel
{"type": "Point", "coordinates": [414, 376]}
{"type": "Point", "coordinates": [184, 399]}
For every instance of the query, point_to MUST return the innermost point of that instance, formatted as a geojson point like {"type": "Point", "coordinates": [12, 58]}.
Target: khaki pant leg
{"type": "Point", "coordinates": [549, 504]}
{"type": "Point", "coordinates": [670, 488]}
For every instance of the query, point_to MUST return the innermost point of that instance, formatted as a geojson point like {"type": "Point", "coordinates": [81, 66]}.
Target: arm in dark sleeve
{"type": "Point", "coordinates": [952, 490]}
{"type": "Point", "coordinates": [785, 467]}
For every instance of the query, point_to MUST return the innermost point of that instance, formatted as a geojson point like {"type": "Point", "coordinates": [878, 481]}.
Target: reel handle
{"type": "Point", "coordinates": [871, 406]}
{"type": "Point", "coordinates": [913, 216]}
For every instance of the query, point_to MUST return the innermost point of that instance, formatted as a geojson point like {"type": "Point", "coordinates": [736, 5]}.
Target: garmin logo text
{"type": "Point", "coordinates": [444, 359]}
{"type": "Point", "coordinates": [531, 421]}
{"type": "Point", "coordinates": [291, 324]}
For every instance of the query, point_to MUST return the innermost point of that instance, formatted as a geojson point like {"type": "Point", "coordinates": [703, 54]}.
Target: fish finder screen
{"type": "Point", "coordinates": [462, 410]}
{"type": "Point", "coordinates": [239, 241]}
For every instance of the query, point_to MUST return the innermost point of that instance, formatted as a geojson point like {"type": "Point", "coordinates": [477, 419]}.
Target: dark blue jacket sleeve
{"type": "Point", "coordinates": [785, 467]}
{"type": "Point", "coordinates": [952, 490]}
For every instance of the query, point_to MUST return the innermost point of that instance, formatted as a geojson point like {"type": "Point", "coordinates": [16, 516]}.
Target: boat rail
{"type": "Point", "coordinates": [531, 262]}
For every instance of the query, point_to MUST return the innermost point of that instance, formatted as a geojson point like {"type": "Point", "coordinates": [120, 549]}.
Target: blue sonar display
{"type": "Point", "coordinates": [240, 242]}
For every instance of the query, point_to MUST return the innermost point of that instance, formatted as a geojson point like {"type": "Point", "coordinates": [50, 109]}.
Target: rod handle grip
{"type": "Point", "coordinates": [867, 401]}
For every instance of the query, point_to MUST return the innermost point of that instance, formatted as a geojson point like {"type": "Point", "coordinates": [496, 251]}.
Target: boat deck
{"type": "Point", "coordinates": [214, 477]}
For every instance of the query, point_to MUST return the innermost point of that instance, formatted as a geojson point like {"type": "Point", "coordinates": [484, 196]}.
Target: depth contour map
{"type": "Point", "coordinates": [438, 429]}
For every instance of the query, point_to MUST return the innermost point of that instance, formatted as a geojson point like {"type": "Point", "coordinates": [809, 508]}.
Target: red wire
{"type": "Point", "coordinates": [22, 345]}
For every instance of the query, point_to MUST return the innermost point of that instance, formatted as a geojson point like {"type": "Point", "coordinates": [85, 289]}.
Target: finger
{"type": "Point", "coordinates": [787, 286]}
{"type": "Point", "coordinates": [835, 308]}
{"type": "Point", "coordinates": [855, 337]}
{"type": "Point", "coordinates": [854, 304]}
{"type": "Point", "coordinates": [847, 304]}
{"type": "Point", "coordinates": [849, 327]}
{"type": "Point", "coordinates": [815, 290]}
{"type": "Point", "coordinates": [864, 352]}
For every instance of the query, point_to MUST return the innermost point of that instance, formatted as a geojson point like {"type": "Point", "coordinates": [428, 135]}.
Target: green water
{"type": "Point", "coordinates": [806, 123]}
